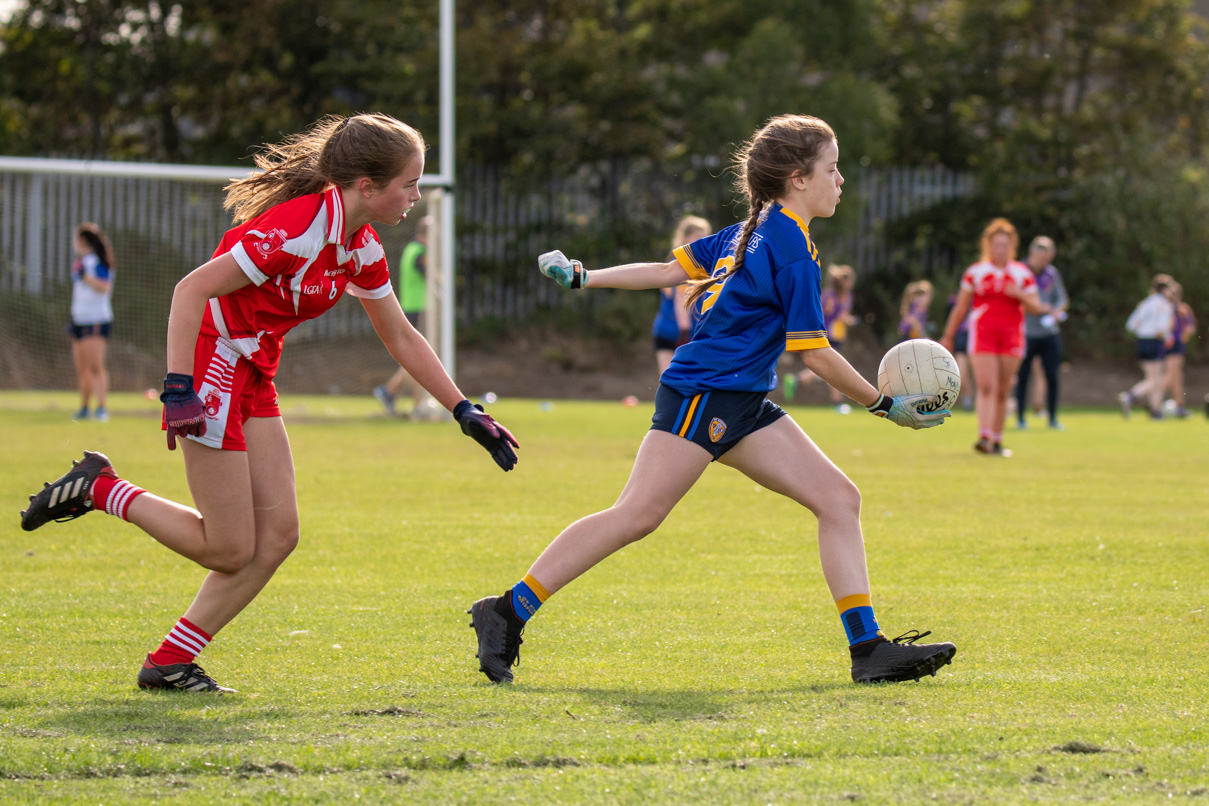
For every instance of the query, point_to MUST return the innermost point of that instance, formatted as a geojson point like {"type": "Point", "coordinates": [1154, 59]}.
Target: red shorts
{"type": "Point", "coordinates": [987, 337]}
{"type": "Point", "coordinates": [233, 392]}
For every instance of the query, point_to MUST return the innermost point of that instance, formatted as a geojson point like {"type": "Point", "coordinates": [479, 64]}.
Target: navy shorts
{"type": "Point", "coordinates": [1150, 349]}
{"type": "Point", "coordinates": [82, 331]}
{"type": "Point", "coordinates": [715, 419]}
{"type": "Point", "coordinates": [663, 344]}
{"type": "Point", "coordinates": [961, 342]}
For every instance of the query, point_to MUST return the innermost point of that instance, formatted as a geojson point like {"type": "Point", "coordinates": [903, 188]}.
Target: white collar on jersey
{"type": "Point", "coordinates": [335, 207]}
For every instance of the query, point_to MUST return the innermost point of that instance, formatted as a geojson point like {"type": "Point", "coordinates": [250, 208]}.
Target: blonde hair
{"type": "Point", "coordinates": [333, 151]}
{"type": "Point", "coordinates": [687, 224]}
{"type": "Point", "coordinates": [999, 225]}
{"type": "Point", "coordinates": [787, 144]}
{"type": "Point", "coordinates": [913, 290]}
{"type": "Point", "coordinates": [840, 277]}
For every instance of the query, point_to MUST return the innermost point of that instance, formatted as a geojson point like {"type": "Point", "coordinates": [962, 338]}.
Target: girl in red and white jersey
{"type": "Point", "coordinates": [996, 292]}
{"type": "Point", "coordinates": [303, 238]}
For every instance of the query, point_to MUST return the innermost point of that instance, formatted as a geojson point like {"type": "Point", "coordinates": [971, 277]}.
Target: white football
{"type": "Point", "coordinates": [920, 367]}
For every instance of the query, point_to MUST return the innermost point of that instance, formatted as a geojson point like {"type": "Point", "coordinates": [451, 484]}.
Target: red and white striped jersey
{"type": "Point", "coordinates": [294, 255]}
{"type": "Point", "coordinates": [991, 307]}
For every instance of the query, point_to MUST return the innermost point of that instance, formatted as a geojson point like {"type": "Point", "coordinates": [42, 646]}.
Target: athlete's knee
{"type": "Point", "coordinates": [281, 543]}
{"type": "Point", "coordinates": [641, 521]}
{"type": "Point", "coordinates": [231, 559]}
{"type": "Point", "coordinates": [842, 502]}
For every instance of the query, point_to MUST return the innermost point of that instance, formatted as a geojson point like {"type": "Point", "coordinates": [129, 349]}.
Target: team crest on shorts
{"type": "Point", "coordinates": [716, 429]}
{"type": "Point", "coordinates": [213, 404]}
{"type": "Point", "coordinates": [270, 242]}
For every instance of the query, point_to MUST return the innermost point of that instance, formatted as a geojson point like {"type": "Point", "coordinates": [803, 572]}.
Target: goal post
{"type": "Point", "coordinates": [163, 221]}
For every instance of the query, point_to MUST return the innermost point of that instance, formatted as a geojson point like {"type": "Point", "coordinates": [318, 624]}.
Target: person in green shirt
{"type": "Point", "coordinates": [413, 296]}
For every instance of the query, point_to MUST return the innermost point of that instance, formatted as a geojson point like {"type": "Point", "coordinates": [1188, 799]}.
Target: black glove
{"type": "Point", "coordinates": [184, 413]}
{"type": "Point", "coordinates": [483, 428]}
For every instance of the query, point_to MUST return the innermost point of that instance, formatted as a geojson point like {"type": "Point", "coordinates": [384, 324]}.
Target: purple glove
{"type": "Point", "coordinates": [483, 428]}
{"type": "Point", "coordinates": [184, 413]}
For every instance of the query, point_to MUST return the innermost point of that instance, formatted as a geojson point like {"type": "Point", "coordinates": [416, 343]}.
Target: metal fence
{"type": "Point", "coordinates": [611, 212]}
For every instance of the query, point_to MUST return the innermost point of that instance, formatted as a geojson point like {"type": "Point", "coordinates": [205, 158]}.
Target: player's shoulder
{"type": "Point", "coordinates": [365, 235]}
{"type": "Point", "coordinates": [1020, 272]}
{"type": "Point", "coordinates": [786, 240]}
{"type": "Point", "coordinates": [293, 216]}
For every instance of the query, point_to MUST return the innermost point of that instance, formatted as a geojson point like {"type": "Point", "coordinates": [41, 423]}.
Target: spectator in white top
{"type": "Point", "coordinates": [91, 317]}
{"type": "Point", "coordinates": [1151, 322]}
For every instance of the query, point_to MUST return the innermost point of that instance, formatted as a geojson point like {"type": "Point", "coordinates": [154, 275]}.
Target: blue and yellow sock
{"type": "Point", "coordinates": [527, 596]}
{"type": "Point", "coordinates": [856, 614]}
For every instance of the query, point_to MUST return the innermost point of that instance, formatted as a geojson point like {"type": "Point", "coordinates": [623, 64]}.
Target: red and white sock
{"type": "Point", "coordinates": [113, 495]}
{"type": "Point", "coordinates": [182, 644]}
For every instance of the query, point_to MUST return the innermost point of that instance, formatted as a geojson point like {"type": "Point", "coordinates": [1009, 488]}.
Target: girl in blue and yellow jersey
{"type": "Point", "coordinates": [758, 283]}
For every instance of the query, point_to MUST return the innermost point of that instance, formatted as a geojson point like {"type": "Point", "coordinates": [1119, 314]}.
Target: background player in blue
{"type": "Point", "coordinates": [758, 283]}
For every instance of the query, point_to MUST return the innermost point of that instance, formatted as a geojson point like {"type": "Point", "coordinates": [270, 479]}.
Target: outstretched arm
{"type": "Point", "coordinates": [411, 350]}
{"type": "Point", "coordinates": [415, 355]}
{"type": "Point", "coordinates": [572, 274]}
{"type": "Point", "coordinates": [638, 275]}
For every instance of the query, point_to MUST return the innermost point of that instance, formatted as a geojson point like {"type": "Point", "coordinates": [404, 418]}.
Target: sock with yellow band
{"type": "Point", "coordinates": [856, 614]}
{"type": "Point", "coordinates": [527, 596]}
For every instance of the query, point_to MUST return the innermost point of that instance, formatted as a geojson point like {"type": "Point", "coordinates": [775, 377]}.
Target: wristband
{"type": "Point", "coordinates": [579, 275]}
{"type": "Point", "coordinates": [176, 383]}
{"type": "Point", "coordinates": [461, 409]}
{"type": "Point", "coordinates": [882, 407]}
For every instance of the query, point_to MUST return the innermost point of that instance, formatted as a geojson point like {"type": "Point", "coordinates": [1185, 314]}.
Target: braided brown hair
{"type": "Point", "coordinates": [763, 166]}
{"type": "Point", "coordinates": [334, 151]}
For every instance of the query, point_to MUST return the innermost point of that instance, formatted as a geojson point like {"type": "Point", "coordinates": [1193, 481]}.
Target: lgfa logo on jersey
{"type": "Point", "coordinates": [716, 429]}
{"type": "Point", "coordinates": [270, 242]}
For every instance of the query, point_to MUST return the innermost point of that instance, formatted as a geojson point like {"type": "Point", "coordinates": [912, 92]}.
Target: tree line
{"type": "Point", "coordinates": [1083, 119]}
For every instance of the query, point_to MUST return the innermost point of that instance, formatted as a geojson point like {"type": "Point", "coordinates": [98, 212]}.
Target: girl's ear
{"type": "Point", "coordinates": [797, 180]}
{"type": "Point", "coordinates": [365, 186]}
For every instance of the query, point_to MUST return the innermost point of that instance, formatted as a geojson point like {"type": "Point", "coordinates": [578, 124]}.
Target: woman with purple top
{"type": "Point", "coordinates": [1041, 332]}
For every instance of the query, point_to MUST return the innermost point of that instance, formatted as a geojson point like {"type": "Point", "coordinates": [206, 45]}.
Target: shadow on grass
{"type": "Point", "coordinates": [162, 718]}
{"type": "Point", "coordinates": [685, 705]}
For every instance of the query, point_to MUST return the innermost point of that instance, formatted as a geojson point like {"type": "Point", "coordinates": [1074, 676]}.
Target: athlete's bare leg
{"type": "Point", "coordinates": [1007, 367]}
{"type": "Point", "coordinates": [665, 469]}
{"type": "Point", "coordinates": [987, 378]}
{"type": "Point", "coordinates": [221, 534]}
{"type": "Point", "coordinates": [275, 510]}
{"type": "Point", "coordinates": [782, 458]}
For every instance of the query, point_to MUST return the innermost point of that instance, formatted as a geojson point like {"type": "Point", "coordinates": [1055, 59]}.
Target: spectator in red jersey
{"type": "Point", "coordinates": [996, 291]}
{"type": "Point", "coordinates": [303, 238]}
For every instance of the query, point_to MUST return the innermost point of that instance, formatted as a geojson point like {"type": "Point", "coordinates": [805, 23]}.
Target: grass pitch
{"type": "Point", "coordinates": [705, 664]}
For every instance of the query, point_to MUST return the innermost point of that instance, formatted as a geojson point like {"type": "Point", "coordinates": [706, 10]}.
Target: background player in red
{"type": "Point", "coordinates": [999, 289]}
{"type": "Point", "coordinates": [303, 239]}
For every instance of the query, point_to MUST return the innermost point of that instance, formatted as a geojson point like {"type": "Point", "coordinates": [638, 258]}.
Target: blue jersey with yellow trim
{"type": "Point", "coordinates": [770, 305]}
